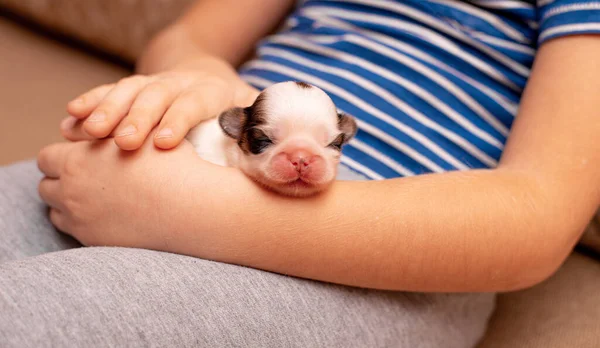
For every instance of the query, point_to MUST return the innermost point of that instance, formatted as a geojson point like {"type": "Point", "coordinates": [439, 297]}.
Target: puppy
{"type": "Point", "coordinates": [289, 140]}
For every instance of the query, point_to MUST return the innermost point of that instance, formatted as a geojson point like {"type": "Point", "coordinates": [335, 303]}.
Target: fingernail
{"type": "Point", "coordinates": [129, 130]}
{"type": "Point", "coordinates": [164, 133]}
{"type": "Point", "coordinates": [68, 123]}
{"type": "Point", "coordinates": [97, 116]}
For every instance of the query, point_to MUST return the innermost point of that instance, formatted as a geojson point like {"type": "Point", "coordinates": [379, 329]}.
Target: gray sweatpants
{"type": "Point", "coordinates": [55, 294]}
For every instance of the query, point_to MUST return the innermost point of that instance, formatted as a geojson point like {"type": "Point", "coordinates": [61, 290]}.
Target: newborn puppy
{"type": "Point", "coordinates": [289, 140]}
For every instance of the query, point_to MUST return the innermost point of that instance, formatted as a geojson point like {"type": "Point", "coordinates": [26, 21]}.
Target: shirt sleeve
{"type": "Point", "coordinates": [567, 17]}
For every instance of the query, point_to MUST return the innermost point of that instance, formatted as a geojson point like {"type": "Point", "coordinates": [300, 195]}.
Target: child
{"type": "Point", "coordinates": [435, 86]}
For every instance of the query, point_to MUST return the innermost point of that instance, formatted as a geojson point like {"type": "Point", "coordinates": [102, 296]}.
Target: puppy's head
{"type": "Point", "coordinates": [290, 138]}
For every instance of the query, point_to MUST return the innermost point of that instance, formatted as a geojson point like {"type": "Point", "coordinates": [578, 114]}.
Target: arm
{"type": "Point", "coordinates": [186, 75]}
{"type": "Point", "coordinates": [227, 29]}
{"type": "Point", "coordinates": [486, 230]}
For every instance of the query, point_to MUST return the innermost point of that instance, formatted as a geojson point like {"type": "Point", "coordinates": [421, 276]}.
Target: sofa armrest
{"type": "Point", "coordinates": [117, 27]}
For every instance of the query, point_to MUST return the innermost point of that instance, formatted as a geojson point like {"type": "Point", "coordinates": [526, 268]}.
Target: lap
{"type": "Point", "coordinates": [132, 297]}
{"type": "Point", "coordinates": [24, 226]}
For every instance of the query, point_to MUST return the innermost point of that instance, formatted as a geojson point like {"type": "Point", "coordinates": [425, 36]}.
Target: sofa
{"type": "Point", "coordinates": [43, 65]}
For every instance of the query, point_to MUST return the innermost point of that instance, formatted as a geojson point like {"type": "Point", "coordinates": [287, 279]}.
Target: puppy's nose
{"type": "Point", "coordinates": [300, 159]}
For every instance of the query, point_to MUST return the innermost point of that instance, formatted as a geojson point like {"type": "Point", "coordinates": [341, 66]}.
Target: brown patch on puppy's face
{"type": "Point", "coordinates": [253, 139]}
{"type": "Point", "coordinates": [244, 125]}
{"type": "Point", "coordinates": [303, 85]}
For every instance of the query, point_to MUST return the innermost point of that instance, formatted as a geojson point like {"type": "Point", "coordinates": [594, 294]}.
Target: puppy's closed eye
{"type": "Point", "coordinates": [258, 141]}
{"type": "Point", "coordinates": [338, 142]}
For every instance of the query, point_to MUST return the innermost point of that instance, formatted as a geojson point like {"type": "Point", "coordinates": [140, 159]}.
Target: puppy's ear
{"type": "Point", "coordinates": [232, 122]}
{"type": "Point", "coordinates": [347, 125]}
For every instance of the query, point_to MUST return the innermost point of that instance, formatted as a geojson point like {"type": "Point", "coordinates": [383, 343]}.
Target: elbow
{"type": "Point", "coordinates": [541, 270]}
{"type": "Point", "coordinates": [536, 263]}
{"type": "Point", "coordinates": [542, 236]}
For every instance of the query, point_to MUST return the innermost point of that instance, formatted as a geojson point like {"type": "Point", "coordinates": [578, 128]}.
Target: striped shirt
{"type": "Point", "coordinates": [434, 84]}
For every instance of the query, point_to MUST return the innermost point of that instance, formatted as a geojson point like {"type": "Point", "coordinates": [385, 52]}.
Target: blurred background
{"type": "Point", "coordinates": [53, 50]}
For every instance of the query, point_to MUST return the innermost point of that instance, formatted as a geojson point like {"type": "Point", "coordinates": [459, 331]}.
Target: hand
{"type": "Point", "coordinates": [175, 100]}
{"type": "Point", "coordinates": [104, 196]}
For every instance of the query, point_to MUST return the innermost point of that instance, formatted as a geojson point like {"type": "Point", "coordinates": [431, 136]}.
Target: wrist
{"type": "Point", "coordinates": [196, 211]}
{"type": "Point", "coordinates": [187, 57]}
{"type": "Point", "coordinates": [220, 72]}
{"type": "Point", "coordinates": [167, 50]}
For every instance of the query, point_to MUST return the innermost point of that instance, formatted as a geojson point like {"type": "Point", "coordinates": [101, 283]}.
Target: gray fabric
{"type": "Point", "coordinates": [345, 173]}
{"type": "Point", "coordinates": [24, 227]}
{"type": "Point", "coordinates": [119, 297]}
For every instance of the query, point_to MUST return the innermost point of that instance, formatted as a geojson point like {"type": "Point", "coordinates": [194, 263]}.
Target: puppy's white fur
{"type": "Point", "coordinates": [297, 117]}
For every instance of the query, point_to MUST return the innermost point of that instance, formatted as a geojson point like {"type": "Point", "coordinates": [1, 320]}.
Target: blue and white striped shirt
{"type": "Point", "coordinates": [434, 84]}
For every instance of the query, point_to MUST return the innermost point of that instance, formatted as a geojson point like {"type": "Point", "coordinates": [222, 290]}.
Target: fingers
{"type": "Point", "coordinates": [82, 106]}
{"type": "Point", "coordinates": [72, 129]}
{"type": "Point", "coordinates": [49, 191]}
{"type": "Point", "coordinates": [145, 113]}
{"type": "Point", "coordinates": [114, 106]}
{"type": "Point", "coordinates": [133, 107]}
{"type": "Point", "coordinates": [189, 109]}
{"type": "Point", "coordinates": [51, 159]}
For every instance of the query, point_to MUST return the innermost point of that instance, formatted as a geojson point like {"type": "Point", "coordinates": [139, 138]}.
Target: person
{"type": "Point", "coordinates": [192, 254]}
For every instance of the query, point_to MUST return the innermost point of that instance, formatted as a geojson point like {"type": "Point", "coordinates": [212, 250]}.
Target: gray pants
{"type": "Point", "coordinates": [55, 294]}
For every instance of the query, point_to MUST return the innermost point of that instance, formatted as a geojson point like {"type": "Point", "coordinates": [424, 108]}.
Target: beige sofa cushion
{"type": "Point", "coordinates": [121, 27]}
{"type": "Point", "coordinates": [38, 78]}
{"type": "Point", "coordinates": [564, 311]}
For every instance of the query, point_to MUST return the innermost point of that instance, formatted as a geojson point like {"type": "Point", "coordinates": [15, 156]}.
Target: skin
{"type": "Point", "coordinates": [500, 229]}
{"type": "Point", "coordinates": [186, 75]}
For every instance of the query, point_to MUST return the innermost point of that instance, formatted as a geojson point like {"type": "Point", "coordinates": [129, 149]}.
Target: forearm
{"type": "Point", "coordinates": [173, 49]}
{"type": "Point", "coordinates": [220, 29]}
{"type": "Point", "coordinates": [461, 231]}
{"type": "Point", "coordinates": [170, 48]}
